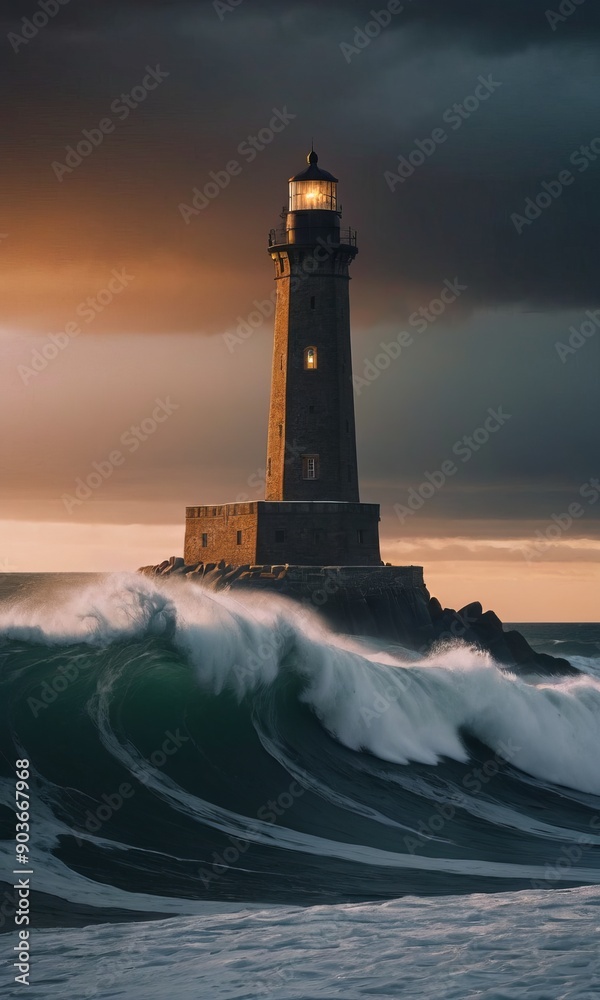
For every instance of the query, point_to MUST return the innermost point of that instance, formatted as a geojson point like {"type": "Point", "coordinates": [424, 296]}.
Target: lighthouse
{"type": "Point", "coordinates": [311, 451]}
{"type": "Point", "coordinates": [311, 514]}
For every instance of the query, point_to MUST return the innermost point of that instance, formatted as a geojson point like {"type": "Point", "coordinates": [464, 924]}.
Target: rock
{"type": "Point", "coordinates": [169, 567]}
{"type": "Point", "coordinates": [471, 612]}
{"type": "Point", "coordinates": [525, 656]}
{"type": "Point", "coordinates": [435, 608]}
{"type": "Point", "coordinates": [491, 621]}
{"type": "Point", "coordinates": [486, 631]}
{"type": "Point", "coordinates": [147, 570]}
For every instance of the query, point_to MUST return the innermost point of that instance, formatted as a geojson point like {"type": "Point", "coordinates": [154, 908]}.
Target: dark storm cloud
{"type": "Point", "coordinates": [451, 218]}
{"type": "Point", "coordinates": [502, 25]}
{"type": "Point", "coordinates": [492, 25]}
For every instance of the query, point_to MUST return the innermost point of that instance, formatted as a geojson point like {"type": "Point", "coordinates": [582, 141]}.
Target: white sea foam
{"type": "Point", "coordinates": [534, 945]}
{"type": "Point", "coordinates": [397, 708]}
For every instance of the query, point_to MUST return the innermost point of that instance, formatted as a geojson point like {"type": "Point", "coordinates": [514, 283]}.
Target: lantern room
{"type": "Point", "coordinates": [313, 188]}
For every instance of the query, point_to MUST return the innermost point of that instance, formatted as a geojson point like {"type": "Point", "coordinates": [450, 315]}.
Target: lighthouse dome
{"type": "Point", "coordinates": [313, 188]}
{"type": "Point", "coordinates": [314, 172]}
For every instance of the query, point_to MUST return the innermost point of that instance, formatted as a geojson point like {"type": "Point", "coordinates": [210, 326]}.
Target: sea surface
{"type": "Point", "coordinates": [229, 801]}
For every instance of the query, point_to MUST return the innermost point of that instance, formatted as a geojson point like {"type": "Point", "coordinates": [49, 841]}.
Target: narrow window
{"type": "Point", "coordinates": [268, 467]}
{"type": "Point", "coordinates": [280, 536]}
{"type": "Point", "coordinates": [239, 537]}
{"type": "Point", "coordinates": [310, 467]}
{"type": "Point", "coordinates": [312, 302]}
{"type": "Point", "coordinates": [310, 359]}
{"type": "Point", "coordinates": [361, 536]}
{"type": "Point", "coordinates": [281, 362]}
{"type": "Point", "coordinates": [204, 540]}
{"type": "Point", "coordinates": [281, 430]}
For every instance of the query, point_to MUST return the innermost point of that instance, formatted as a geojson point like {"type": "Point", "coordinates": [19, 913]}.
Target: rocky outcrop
{"type": "Point", "coordinates": [485, 630]}
{"type": "Point", "coordinates": [388, 602]}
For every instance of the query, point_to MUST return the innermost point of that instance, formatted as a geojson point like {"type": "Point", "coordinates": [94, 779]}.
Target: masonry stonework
{"type": "Point", "coordinates": [312, 409]}
{"type": "Point", "coordinates": [312, 515]}
{"type": "Point", "coordinates": [300, 533]}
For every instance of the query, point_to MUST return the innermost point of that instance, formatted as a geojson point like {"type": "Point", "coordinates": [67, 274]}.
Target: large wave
{"type": "Point", "coordinates": [190, 746]}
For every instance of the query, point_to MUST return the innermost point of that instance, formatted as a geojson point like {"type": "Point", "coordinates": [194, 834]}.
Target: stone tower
{"type": "Point", "coordinates": [312, 515]}
{"type": "Point", "coordinates": [311, 452]}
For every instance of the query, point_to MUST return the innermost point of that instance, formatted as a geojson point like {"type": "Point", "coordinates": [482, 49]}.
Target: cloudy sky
{"type": "Point", "coordinates": [112, 300]}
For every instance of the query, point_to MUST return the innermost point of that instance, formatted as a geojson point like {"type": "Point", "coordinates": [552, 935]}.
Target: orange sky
{"type": "Point", "coordinates": [558, 587]}
{"type": "Point", "coordinates": [162, 336]}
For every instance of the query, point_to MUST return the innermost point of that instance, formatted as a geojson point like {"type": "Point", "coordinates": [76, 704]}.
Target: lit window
{"type": "Point", "coordinates": [310, 467]}
{"type": "Point", "coordinates": [239, 537]}
{"type": "Point", "coordinates": [310, 359]}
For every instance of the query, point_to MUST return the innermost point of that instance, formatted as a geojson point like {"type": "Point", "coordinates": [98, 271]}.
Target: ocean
{"type": "Point", "coordinates": [229, 801]}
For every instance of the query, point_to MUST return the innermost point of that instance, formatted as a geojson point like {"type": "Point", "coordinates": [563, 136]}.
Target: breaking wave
{"type": "Point", "coordinates": [191, 747]}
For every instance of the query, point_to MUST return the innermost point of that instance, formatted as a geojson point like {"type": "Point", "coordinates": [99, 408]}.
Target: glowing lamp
{"type": "Point", "coordinates": [313, 189]}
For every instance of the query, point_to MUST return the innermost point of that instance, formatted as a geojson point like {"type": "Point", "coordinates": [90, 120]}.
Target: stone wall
{"type": "Point", "coordinates": [221, 525]}
{"type": "Point", "coordinates": [301, 533]}
{"type": "Point", "coordinates": [389, 602]}
{"type": "Point", "coordinates": [312, 412]}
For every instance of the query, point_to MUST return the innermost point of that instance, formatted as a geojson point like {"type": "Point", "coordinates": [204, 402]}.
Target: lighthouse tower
{"type": "Point", "coordinates": [312, 515]}
{"type": "Point", "coordinates": [311, 451]}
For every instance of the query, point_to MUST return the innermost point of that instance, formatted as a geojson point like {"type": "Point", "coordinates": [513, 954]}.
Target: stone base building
{"type": "Point", "coordinates": [301, 533]}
